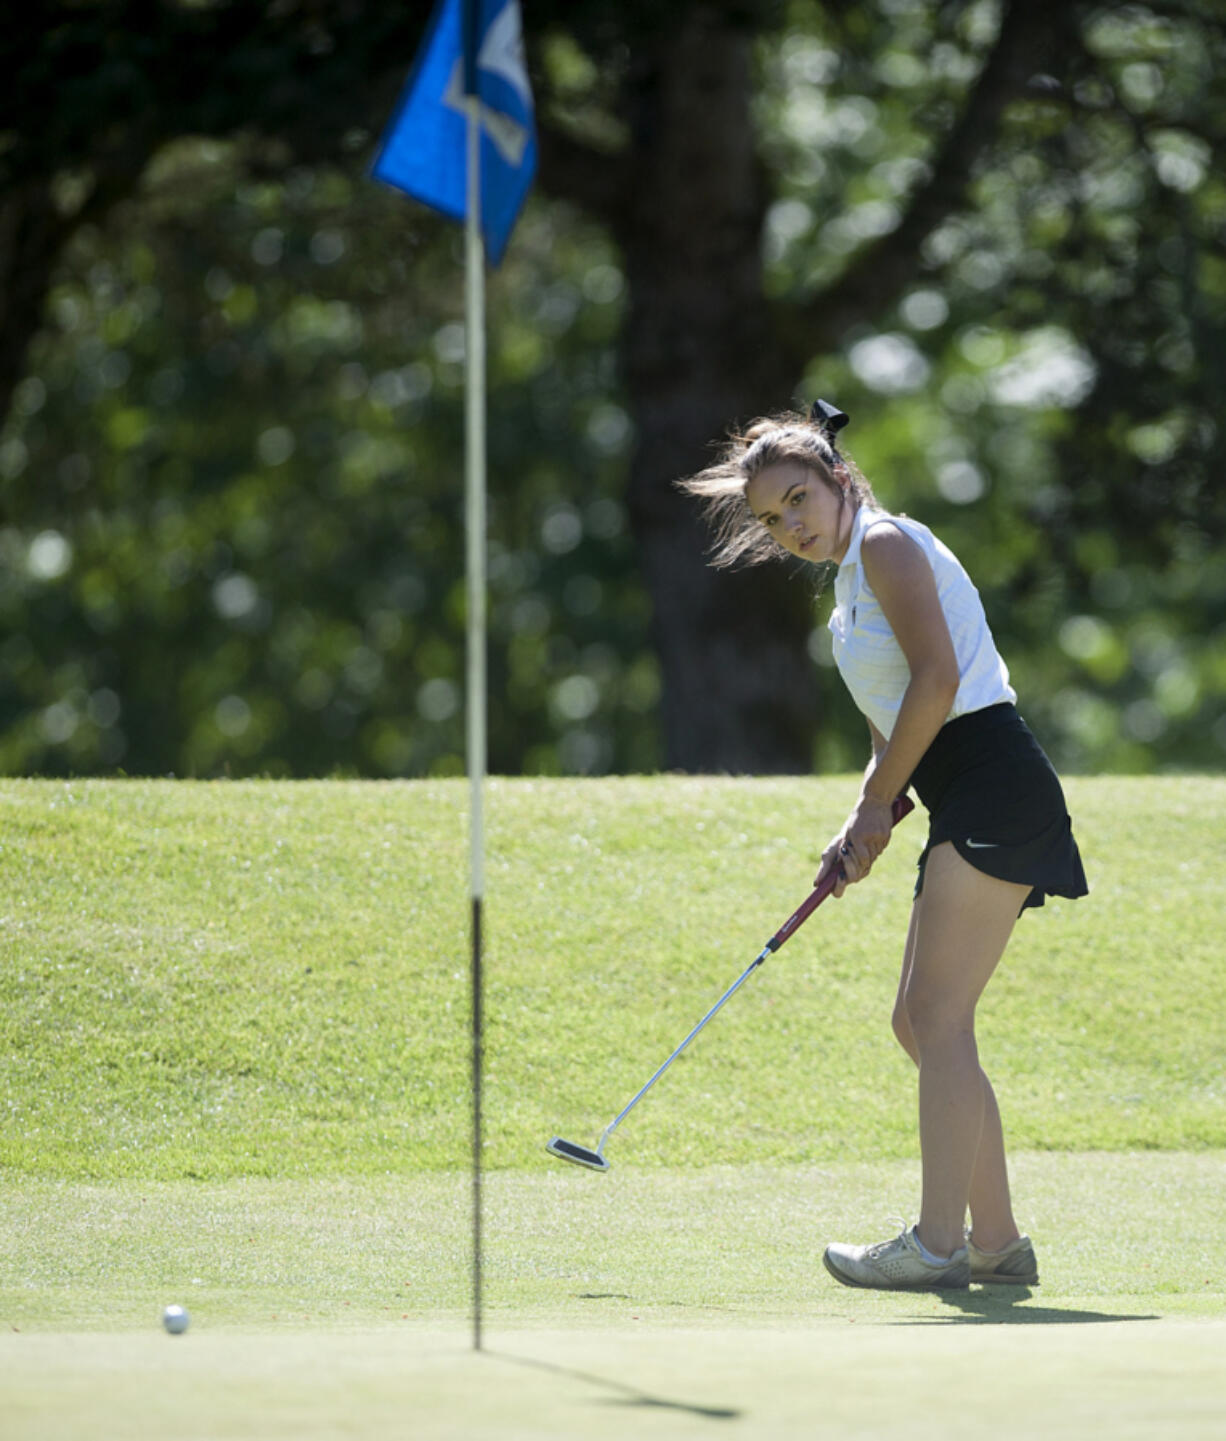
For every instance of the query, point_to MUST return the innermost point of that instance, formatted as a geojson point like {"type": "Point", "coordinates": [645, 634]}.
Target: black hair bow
{"type": "Point", "coordinates": [829, 419]}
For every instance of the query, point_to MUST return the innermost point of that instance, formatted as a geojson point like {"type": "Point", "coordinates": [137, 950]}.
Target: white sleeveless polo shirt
{"type": "Point", "coordinates": [871, 661]}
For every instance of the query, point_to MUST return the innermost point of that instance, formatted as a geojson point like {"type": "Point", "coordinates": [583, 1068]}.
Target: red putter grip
{"type": "Point", "coordinates": [903, 806]}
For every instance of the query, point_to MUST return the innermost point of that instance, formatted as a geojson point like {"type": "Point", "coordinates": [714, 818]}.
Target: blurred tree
{"type": "Point", "coordinates": [243, 483]}
{"type": "Point", "coordinates": [1036, 171]}
{"type": "Point", "coordinates": [991, 231]}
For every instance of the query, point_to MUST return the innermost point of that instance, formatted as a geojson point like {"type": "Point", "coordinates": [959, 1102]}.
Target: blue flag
{"type": "Point", "coordinates": [423, 150]}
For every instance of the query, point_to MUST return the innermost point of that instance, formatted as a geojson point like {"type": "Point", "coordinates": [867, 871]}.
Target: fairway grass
{"type": "Point", "coordinates": [214, 980]}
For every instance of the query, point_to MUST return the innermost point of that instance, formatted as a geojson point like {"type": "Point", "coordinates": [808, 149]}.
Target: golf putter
{"type": "Point", "coordinates": [581, 1155]}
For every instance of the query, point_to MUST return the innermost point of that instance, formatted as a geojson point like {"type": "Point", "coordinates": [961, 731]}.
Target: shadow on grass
{"type": "Point", "coordinates": [624, 1395]}
{"type": "Point", "coordinates": [1001, 1306]}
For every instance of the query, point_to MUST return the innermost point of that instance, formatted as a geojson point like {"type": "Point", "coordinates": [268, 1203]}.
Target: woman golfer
{"type": "Point", "coordinates": [914, 649]}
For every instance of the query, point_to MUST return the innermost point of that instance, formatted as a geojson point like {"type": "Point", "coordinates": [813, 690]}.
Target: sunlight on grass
{"type": "Point", "coordinates": [271, 979]}
{"type": "Point", "coordinates": [234, 1062]}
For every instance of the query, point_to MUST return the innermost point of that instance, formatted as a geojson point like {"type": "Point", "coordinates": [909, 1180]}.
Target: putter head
{"type": "Point", "coordinates": [577, 1155]}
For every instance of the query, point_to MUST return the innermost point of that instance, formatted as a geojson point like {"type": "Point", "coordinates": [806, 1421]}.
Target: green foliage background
{"type": "Point", "coordinates": [242, 468]}
{"type": "Point", "coordinates": [231, 539]}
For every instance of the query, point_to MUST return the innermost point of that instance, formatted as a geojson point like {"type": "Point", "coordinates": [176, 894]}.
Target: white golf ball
{"type": "Point", "coordinates": [175, 1319]}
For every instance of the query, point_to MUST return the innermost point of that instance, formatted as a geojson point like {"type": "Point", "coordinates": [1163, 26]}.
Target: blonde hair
{"type": "Point", "coordinates": [740, 537]}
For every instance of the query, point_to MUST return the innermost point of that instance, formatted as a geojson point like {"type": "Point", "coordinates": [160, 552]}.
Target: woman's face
{"type": "Point", "coordinates": [802, 512]}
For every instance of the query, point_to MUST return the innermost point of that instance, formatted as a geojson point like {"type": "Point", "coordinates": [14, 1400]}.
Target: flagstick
{"type": "Point", "coordinates": [475, 527]}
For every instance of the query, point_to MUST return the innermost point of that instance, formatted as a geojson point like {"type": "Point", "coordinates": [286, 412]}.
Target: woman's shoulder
{"type": "Point", "coordinates": [897, 555]}
{"type": "Point", "coordinates": [881, 531]}
{"type": "Point", "coordinates": [879, 537]}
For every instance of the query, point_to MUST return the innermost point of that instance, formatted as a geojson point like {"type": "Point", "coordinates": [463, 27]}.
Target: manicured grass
{"type": "Point", "coordinates": [654, 1300]}
{"type": "Point", "coordinates": [1118, 1235]}
{"type": "Point", "coordinates": [234, 1067]}
{"type": "Point", "coordinates": [912, 1382]}
{"type": "Point", "coordinates": [212, 980]}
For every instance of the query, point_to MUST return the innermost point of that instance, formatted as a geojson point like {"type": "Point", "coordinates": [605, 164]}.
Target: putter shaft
{"type": "Point", "coordinates": [567, 1150]}
{"type": "Point", "coordinates": [727, 996]}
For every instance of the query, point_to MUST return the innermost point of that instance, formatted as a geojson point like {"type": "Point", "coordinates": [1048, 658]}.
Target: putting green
{"type": "Point", "coordinates": [687, 1303]}
{"type": "Point", "coordinates": [917, 1376]}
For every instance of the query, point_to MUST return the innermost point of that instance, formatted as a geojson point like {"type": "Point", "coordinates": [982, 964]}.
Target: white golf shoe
{"type": "Point", "coordinates": [898, 1265]}
{"type": "Point", "coordinates": [1015, 1265]}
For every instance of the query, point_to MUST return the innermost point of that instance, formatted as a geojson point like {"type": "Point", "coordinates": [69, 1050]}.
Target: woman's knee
{"type": "Point", "coordinates": [932, 1018]}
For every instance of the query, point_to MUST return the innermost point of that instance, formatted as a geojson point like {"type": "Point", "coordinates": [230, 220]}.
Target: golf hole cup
{"type": "Point", "coordinates": [175, 1319]}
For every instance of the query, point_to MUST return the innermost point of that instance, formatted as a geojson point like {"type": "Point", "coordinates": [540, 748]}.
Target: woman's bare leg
{"type": "Point", "coordinates": [992, 1223]}
{"type": "Point", "coordinates": [991, 1204]}
{"type": "Point", "coordinates": [959, 928]}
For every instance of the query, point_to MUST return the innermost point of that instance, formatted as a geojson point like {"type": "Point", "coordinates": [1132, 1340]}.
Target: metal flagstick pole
{"type": "Point", "coordinates": [475, 525]}
{"type": "Point", "coordinates": [422, 153]}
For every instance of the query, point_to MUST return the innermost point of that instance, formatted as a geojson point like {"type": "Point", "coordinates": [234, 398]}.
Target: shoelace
{"type": "Point", "coordinates": [877, 1251]}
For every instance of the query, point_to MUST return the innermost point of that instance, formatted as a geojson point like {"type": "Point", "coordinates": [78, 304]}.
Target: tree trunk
{"type": "Point", "coordinates": [739, 691]}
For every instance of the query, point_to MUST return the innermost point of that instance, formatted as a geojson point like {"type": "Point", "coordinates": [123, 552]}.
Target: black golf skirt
{"type": "Point", "coordinates": [990, 791]}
